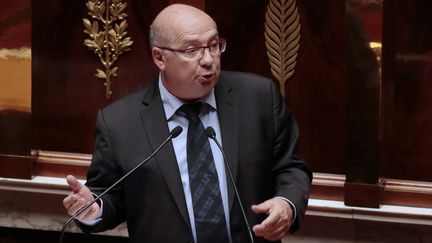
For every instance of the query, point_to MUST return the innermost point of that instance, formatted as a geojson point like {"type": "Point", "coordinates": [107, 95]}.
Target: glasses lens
{"type": "Point", "coordinates": [215, 48]}
{"type": "Point", "coordinates": [192, 52]}
{"type": "Point", "coordinates": [197, 52]}
{"type": "Point", "coordinates": [222, 46]}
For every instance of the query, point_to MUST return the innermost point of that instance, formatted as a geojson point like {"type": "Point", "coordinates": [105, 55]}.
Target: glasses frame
{"type": "Point", "coordinates": [222, 42]}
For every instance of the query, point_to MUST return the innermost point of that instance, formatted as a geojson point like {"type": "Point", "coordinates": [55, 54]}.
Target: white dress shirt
{"type": "Point", "coordinates": [209, 117]}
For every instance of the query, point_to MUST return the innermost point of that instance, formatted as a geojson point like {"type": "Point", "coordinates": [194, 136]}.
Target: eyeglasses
{"type": "Point", "coordinates": [198, 51]}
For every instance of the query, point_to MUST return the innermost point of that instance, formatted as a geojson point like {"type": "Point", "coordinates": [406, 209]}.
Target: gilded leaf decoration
{"type": "Point", "coordinates": [107, 29]}
{"type": "Point", "coordinates": [282, 38]}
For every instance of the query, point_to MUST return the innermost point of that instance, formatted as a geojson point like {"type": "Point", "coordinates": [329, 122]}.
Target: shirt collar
{"type": "Point", "coordinates": [172, 104]}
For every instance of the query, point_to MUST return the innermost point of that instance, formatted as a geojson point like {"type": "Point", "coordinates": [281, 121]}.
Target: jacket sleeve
{"type": "Point", "coordinates": [292, 175]}
{"type": "Point", "coordinates": [102, 173]}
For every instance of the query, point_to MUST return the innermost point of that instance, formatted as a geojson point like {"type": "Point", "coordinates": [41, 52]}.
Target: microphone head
{"type": "Point", "coordinates": [210, 132]}
{"type": "Point", "coordinates": [176, 131]}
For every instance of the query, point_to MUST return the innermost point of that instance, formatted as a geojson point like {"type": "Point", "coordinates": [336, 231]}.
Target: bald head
{"type": "Point", "coordinates": [175, 20]}
{"type": "Point", "coordinates": [178, 32]}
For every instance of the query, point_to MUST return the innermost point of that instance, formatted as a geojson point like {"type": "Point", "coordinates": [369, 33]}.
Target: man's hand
{"type": "Point", "coordinates": [78, 198]}
{"type": "Point", "coordinates": [278, 221]}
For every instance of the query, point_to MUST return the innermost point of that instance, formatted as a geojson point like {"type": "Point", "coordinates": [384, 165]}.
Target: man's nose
{"type": "Point", "coordinates": [206, 58]}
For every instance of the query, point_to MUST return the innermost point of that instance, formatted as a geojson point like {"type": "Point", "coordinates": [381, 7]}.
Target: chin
{"type": "Point", "coordinates": [201, 93]}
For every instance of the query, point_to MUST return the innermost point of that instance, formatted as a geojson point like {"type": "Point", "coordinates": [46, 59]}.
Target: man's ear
{"type": "Point", "coordinates": [158, 58]}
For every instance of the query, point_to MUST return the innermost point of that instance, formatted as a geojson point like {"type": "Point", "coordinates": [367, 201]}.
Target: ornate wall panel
{"type": "Point", "coordinates": [316, 93]}
{"type": "Point", "coordinates": [66, 94]}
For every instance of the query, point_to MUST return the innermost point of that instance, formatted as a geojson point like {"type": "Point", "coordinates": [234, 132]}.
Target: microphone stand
{"type": "Point", "coordinates": [174, 133]}
{"type": "Point", "coordinates": [211, 134]}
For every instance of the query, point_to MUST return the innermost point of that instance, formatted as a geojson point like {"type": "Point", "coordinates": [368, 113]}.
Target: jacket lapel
{"type": "Point", "coordinates": [228, 113]}
{"type": "Point", "coordinates": [154, 120]}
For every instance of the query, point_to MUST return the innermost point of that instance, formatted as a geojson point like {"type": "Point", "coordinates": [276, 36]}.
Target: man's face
{"type": "Point", "coordinates": [191, 78]}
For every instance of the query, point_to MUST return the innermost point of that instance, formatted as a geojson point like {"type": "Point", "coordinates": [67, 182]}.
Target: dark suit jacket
{"type": "Point", "coordinates": [259, 137]}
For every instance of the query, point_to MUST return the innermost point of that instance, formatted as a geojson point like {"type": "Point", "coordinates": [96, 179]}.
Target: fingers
{"type": "Point", "coordinates": [78, 188]}
{"type": "Point", "coordinates": [275, 231]}
{"type": "Point", "coordinates": [278, 222]}
{"type": "Point", "coordinates": [270, 226]}
{"type": "Point", "coordinates": [74, 200]}
{"type": "Point", "coordinates": [264, 207]}
{"type": "Point", "coordinates": [73, 183]}
{"type": "Point", "coordinates": [69, 200]}
{"type": "Point", "coordinates": [73, 203]}
{"type": "Point", "coordinates": [78, 198]}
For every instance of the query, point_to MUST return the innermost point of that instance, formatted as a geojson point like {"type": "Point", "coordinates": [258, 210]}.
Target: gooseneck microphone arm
{"type": "Point", "coordinates": [212, 134]}
{"type": "Point", "coordinates": [174, 133]}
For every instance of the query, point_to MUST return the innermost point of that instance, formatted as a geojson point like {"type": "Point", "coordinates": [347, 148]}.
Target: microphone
{"type": "Point", "coordinates": [212, 134]}
{"type": "Point", "coordinates": [173, 134]}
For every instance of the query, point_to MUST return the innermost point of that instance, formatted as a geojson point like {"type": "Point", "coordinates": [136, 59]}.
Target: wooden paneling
{"type": "Point", "coordinates": [66, 95]}
{"type": "Point", "coordinates": [16, 166]}
{"type": "Point", "coordinates": [362, 195]}
{"type": "Point", "coordinates": [407, 193]}
{"type": "Point", "coordinates": [328, 186]}
{"type": "Point", "coordinates": [15, 130]}
{"type": "Point", "coordinates": [60, 164]}
{"type": "Point", "coordinates": [196, 3]}
{"type": "Point", "coordinates": [406, 124]}
{"type": "Point", "coordinates": [317, 91]}
{"type": "Point", "coordinates": [363, 89]}
{"type": "Point", "coordinates": [385, 192]}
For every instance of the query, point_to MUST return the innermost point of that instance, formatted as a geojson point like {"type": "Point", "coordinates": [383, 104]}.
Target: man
{"type": "Point", "coordinates": [249, 116]}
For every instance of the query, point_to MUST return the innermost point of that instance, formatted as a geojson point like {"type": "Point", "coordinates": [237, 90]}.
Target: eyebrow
{"type": "Point", "coordinates": [194, 41]}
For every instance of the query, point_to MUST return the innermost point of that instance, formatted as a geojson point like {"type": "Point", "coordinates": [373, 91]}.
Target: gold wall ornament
{"type": "Point", "coordinates": [282, 38]}
{"type": "Point", "coordinates": [108, 41]}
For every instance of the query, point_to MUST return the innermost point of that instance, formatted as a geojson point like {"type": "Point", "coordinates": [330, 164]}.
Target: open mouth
{"type": "Point", "coordinates": [207, 76]}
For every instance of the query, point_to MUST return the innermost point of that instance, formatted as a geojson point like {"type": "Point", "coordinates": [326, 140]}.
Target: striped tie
{"type": "Point", "coordinates": [206, 197]}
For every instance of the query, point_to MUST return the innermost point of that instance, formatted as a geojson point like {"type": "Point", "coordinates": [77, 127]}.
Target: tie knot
{"type": "Point", "coordinates": [191, 110]}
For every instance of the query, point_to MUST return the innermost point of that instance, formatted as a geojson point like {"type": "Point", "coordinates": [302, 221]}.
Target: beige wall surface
{"type": "Point", "coordinates": [15, 55]}
{"type": "Point", "coordinates": [15, 79]}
